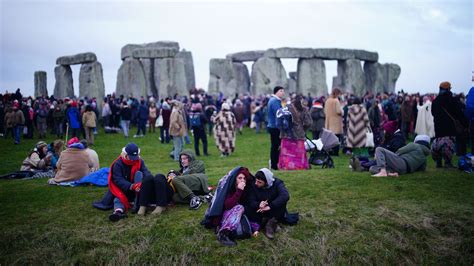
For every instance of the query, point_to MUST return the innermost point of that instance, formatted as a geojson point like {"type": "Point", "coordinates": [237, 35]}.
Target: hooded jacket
{"type": "Point", "coordinates": [414, 155]}
{"type": "Point", "coordinates": [274, 192]}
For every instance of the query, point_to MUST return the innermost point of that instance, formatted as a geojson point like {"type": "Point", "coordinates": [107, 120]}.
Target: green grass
{"type": "Point", "coordinates": [346, 217]}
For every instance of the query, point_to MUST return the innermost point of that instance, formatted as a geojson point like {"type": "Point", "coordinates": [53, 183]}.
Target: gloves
{"type": "Point", "coordinates": [136, 187]}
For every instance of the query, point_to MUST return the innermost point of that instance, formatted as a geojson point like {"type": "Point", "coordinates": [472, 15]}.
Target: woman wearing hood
{"type": "Point", "coordinates": [224, 130]}
{"type": "Point", "coordinates": [267, 201]}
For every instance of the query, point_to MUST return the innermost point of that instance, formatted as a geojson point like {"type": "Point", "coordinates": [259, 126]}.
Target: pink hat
{"type": "Point", "coordinates": [390, 127]}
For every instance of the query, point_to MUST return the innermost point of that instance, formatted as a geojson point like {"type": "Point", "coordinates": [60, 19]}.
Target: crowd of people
{"type": "Point", "coordinates": [441, 125]}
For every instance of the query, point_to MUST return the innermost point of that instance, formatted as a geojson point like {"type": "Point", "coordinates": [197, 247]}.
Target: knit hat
{"type": "Point", "coordinates": [445, 85]}
{"type": "Point", "coordinates": [72, 141]}
{"type": "Point", "coordinates": [424, 138]}
{"type": "Point", "coordinates": [41, 144]}
{"type": "Point", "coordinates": [390, 127]}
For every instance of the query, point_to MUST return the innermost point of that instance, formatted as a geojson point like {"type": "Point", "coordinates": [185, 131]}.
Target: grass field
{"type": "Point", "coordinates": [345, 217]}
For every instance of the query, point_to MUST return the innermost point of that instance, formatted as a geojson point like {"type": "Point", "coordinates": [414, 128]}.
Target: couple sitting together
{"type": "Point", "coordinates": [244, 203]}
{"type": "Point", "coordinates": [132, 186]}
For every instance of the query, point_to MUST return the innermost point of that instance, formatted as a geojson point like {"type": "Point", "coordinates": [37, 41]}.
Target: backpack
{"type": "Point", "coordinates": [284, 119]}
{"type": "Point", "coordinates": [195, 120]}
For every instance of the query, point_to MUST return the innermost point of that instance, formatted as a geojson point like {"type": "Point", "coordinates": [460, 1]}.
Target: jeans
{"type": "Point", "coordinates": [141, 127]}
{"type": "Point", "coordinates": [275, 146]}
{"type": "Point", "coordinates": [178, 144]}
{"type": "Point", "coordinates": [200, 134]}
{"type": "Point", "coordinates": [125, 126]}
{"type": "Point", "coordinates": [117, 203]}
{"type": "Point", "coordinates": [165, 135]}
{"type": "Point", "coordinates": [17, 133]}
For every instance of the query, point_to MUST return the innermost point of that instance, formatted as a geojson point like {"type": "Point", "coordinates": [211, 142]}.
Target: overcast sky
{"type": "Point", "coordinates": [432, 41]}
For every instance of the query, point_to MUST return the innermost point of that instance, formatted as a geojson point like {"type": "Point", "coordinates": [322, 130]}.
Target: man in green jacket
{"type": "Point", "coordinates": [191, 182]}
{"type": "Point", "coordinates": [409, 158]}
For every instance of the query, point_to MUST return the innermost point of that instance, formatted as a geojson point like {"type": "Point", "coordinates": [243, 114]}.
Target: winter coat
{"type": "Point", "coordinates": [273, 105]}
{"type": "Point", "coordinates": [33, 162]}
{"type": "Point", "coordinates": [414, 155]}
{"type": "Point", "coordinates": [406, 111]}
{"type": "Point", "coordinates": [195, 173]}
{"type": "Point", "coordinates": [126, 113]}
{"type": "Point", "coordinates": [374, 116]}
{"type": "Point", "coordinates": [394, 142]}
{"type": "Point", "coordinates": [443, 124]}
{"type": "Point", "coordinates": [89, 119]}
{"type": "Point", "coordinates": [73, 164]}
{"type": "Point", "coordinates": [301, 122]}
{"type": "Point", "coordinates": [358, 122]}
{"type": "Point", "coordinates": [18, 118]}
{"type": "Point", "coordinates": [318, 117]}
{"type": "Point", "coordinates": [224, 130]}
{"type": "Point", "coordinates": [166, 114]}
{"type": "Point", "coordinates": [143, 112]}
{"type": "Point", "coordinates": [239, 113]}
{"type": "Point", "coordinates": [276, 195]}
{"type": "Point", "coordinates": [425, 120]}
{"type": "Point", "coordinates": [177, 123]}
{"type": "Point", "coordinates": [121, 176]}
{"type": "Point", "coordinates": [333, 112]}
{"type": "Point", "coordinates": [73, 115]}
{"type": "Point", "coordinates": [9, 123]}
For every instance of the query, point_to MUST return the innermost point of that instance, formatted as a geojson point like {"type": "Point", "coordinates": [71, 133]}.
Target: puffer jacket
{"type": "Point", "coordinates": [414, 155]}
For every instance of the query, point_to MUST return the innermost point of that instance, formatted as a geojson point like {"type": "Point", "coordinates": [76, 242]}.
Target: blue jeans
{"type": "Point", "coordinates": [117, 203]}
{"type": "Point", "coordinates": [178, 146]}
{"type": "Point", "coordinates": [125, 126]}
{"type": "Point", "coordinates": [17, 133]}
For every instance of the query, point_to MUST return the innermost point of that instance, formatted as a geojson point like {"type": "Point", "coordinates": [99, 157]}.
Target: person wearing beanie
{"type": "Point", "coordinates": [38, 159]}
{"type": "Point", "coordinates": [446, 111]}
{"type": "Point", "coordinates": [408, 159]}
{"type": "Point", "coordinates": [267, 201]}
{"type": "Point", "coordinates": [272, 107]}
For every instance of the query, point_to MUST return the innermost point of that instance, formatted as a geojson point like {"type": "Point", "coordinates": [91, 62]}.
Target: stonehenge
{"type": "Point", "coordinates": [310, 77]}
{"type": "Point", "coordinates": [91, 80]}
{"type": "Point", "coordinates": [40, 84]}
{"type": "Point", "coordinates": [157, 68]}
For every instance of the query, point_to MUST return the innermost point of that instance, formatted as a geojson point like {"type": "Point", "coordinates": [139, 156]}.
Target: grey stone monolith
{"type": "Point", "coordinates": [41, 88]}
{"type": "Point", "coordinates": [221, 74]}
{"type": "Point", "coordinates": [81, 58]}
{"type": "Point", "coordinates": [267, 73]}
{"type": "Point", "coordinates": [350, 77]}
{"type": "Point", "coordinates": [392, 72]}
{"type": "Point", "coordinates": [246, 56]}
{"type": "Point", "coordinates": [154, 52]}
{"type": "Point", "coordinates": [374, 77]}
{"type": "Point", "coordinates": [312, 77]}
{"type": "Point", "coordinates": [187, 58]}
{"type": "Point", "coordinates": [131, 78]}
{"type": "Point", "coordinates": [170, 75]}
{"type": "Point", "coordinates": [288, 52]}
{"type": "Point", "coordinates": [241, 77]}
{"type": "Point", "coordinates": [64, 85]}
{"type": "Point", "coordinates": [127, 50]}
{"type": "Point", "coordinates": [91, 81]}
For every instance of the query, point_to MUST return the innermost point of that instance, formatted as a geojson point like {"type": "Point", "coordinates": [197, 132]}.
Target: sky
{"type": "Point", "coordinates": [432, 41]}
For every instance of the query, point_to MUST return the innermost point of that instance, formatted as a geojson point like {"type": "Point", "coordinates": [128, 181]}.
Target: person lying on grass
{"type": "Point", "coordinates": [191, 182]}
{"type": "Point", "coordinates": [409, 158]}
{"type": "Point", "coordinates": [226, 212]}
{"type": "Point", "coordinates": [267, 201]}
{"type": "Point", "coordinates": [156, 190]}
{"type": "Point", "coordinates": [125, 180]}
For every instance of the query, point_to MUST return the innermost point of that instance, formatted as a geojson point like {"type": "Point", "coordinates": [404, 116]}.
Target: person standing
{"type": "Point", "coordinates": [198, 122]}
{"type": "Point", "coordinates": [224, 130]}
{"type": "Point", "coordinates": [152, 116]}
{"type": "Point", "coordinates": [142, 117]}
{"type": "Point", "coordinates": [165, 128]}
{"type": "Point", "coordinates": [358, 123]}
{"type": "Point", "coordinates": [445, 111]}
{"type": "Point", "coordinates": [424, 120]}
{"type": "Point", "coordinates": [273, 105]}
{"type": "Point", "coordinates": [18, 122]}
{"type": "Point", "coordinates": [89, 119]}
{"type": "Point", "coordinates": [73, 118]}
{"type": "Point", "coordinates": [126, 116]}
{"type": "Point", "coordinates": [318, 117]}
{"type": "Point", "coordinates": [41, 120]}
{"type": "Point", "coordinates": [333, 112]}
{"type": "Point", "coordinates": [177, 128]}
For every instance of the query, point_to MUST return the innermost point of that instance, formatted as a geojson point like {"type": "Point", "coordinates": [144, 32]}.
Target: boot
{"type": "Point", "coordinates": [141, 210]}
{"type": "Point", "coordinates": [270, 228]}
{"type": "Point", "coordinates": [223, 238]}
{"type": "Point", "coordinates": [158, 210]}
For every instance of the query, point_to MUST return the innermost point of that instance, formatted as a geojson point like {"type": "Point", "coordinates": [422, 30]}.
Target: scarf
{"type": "Point", "coordinates": [116, 191]}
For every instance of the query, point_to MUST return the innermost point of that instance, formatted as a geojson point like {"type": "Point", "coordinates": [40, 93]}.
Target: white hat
{"type": "Point", "coordinates": [424, 138]}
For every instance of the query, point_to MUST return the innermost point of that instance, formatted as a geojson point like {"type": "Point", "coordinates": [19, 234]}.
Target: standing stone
{"type": "Point", "coordinates": [64, 86]}
{"type": "Point", "coordinates": [149, 69]}
{"type": "Point", "coordinates": [187, 58]}
{"type": "Point", "coordinates": [131, 78]}
{"type": "Point", "coordinates": [267, 73]}
{"type": "Point", "coordinates": [170, 77]}
{"type": "Point", "coordinates": [292, 85]}
{"type": "Point", "coordinates": [350, 77]}
{"type": "Point", "coordinates": [374, 77]}
{"type": "Point", "coordinates": [312, 77]}
{"type": "Point", "coordinates": [91, 81]}
{"type": "Point", "coordinates": [40, 84]}
{"type": "Point", "coordinates": [241, 77]}
{"type": "Point", "coordinates": [127, 50]}
{"type": "Point", "coordinates": [76, 59]}
{"type": "Point", "coordinates": [221, 74]}
{"type": "Point", "coordinates": [392, 72]}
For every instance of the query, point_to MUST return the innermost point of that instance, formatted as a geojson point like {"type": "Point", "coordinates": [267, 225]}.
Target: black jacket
{"type": "Point", "coordinates": [444, 125]}
{"type": "Point", "coordinates": [277, 195]}
{"type": "Point", "coordinates": [121, 176]}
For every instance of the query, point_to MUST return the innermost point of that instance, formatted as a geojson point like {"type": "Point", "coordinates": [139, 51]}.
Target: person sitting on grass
{"type": "Point", "coordinates": [94, 157]}
{"type": "Point", "coordinates": [409, 158]}
{"type": "Point", "coordinates": [226, 213]}
{"type": "Point", "coordinates": [38, 159]}
{"type": "Point", "coordinates": [191, 182]}
{"type": "Point", "coordinates": [125, 180]}
{"type": "Point", "coordinates": [267, 201]}
{"type": "Point", "coordinates": [73, 164]}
